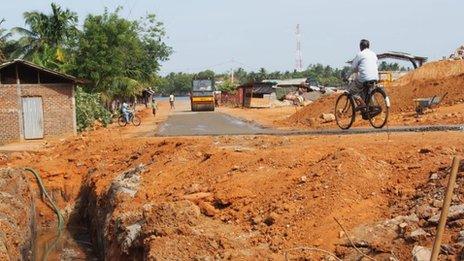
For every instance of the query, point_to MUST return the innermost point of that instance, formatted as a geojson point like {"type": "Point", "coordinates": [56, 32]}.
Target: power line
{"type": "Point", "coordinates": [130, 11]}
{"type": "Point", "coordinates": [232, 61]}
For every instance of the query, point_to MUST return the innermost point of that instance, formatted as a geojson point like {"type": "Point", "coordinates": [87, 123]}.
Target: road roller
{"type": "Point", "coordinates": [202, 95]}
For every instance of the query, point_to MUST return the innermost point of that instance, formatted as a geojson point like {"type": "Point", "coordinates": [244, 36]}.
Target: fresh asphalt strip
{"type": "Point", "coordinates": [219, 124]}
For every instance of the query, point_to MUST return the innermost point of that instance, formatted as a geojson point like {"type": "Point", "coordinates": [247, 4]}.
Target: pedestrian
{"type": "Point", "coordinates": [171, 101]}
{"type": "Point", "coordinates": [154, 106]}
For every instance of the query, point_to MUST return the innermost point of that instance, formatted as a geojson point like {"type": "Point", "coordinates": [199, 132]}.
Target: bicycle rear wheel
{"type": "Point", "coordinates": [121, 121]}
{"type": "Point", "coordinates": [136, 120]}
{"type": "Point", "coordinates": [345, 111]}
{"type": "Point", "coordinates": [378, 108]}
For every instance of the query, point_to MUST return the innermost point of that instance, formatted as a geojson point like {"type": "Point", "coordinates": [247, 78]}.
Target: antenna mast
{"type": "Point", "coordinates": [299, 56]}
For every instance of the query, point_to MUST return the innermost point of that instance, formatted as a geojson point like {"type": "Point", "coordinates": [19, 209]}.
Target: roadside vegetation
{"type": "Point", "coordinates": [181, 82]}
{"type": "Point", "coordinates": [90, 109]}
{"type": "Point", "coordinates": [117, 57]}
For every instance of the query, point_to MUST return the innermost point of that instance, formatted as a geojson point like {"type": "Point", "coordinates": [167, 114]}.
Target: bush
{"type": "Point", "coordinates": [89, 109]}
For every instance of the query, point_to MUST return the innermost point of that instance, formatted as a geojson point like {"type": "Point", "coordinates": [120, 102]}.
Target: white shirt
{"type": "Point", "coordinates": [171, 97]}
{"type": "Point", "coordinates": [365, 64]}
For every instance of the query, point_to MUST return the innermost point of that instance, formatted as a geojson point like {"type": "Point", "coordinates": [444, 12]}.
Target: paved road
{"type": "Point", "coordinates": [215, 123]}
{"type": "Point", "coordinates": [209, 123]}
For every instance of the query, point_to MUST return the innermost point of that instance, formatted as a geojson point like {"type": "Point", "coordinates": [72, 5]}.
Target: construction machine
{"type": "Point", "coordinates": [202, 95]}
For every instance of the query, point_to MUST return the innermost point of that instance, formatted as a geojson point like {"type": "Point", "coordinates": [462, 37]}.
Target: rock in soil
{"type": "Point", "coordinates": [417, 235]}
{"type": "Point", "coordinates": [421, 253]}
{"type": "Point", "coordinates": [455, 212]}
{"type": "Point", "coordinates": [207, 209]}
{"type": "Point", "coordinates": [328, 117]}
{"type": "Point", "coordinates": [461, 237]}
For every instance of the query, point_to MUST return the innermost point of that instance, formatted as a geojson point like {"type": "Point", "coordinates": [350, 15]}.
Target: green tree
{"type": "Point", "coordinates": [226, 86]}
{"type": "Point", "coordinates": [178, 83]}
{"type": "Point", "coordinates": [46, 32]}
{"type": "Point", "coordinates": [207, 74]}
{"type": "Point", "coordinates": [3, 42]}
{"type": "Point", "coordinates": [119, 56]}
{"type": "Point", "coordinates": [262, 74]}
{"type": "Point", "coordinates": [155, 50]}
{"type": "Point", "coordinates": [241, 75]}
{"type": "Point", "coordinates": [385, 66]}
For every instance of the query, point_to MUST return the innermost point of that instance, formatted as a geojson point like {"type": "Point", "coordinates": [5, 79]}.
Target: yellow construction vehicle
{"type": "Point", "coordinates": [202, 95]}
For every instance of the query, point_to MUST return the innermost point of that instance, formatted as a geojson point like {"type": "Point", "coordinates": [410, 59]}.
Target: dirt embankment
{"type": "Point", "coordinates": [17, 216]}
{"type": "Point", "coordinates": [435, 78]}
{"type": "Point", "coordinates": [237, 197]}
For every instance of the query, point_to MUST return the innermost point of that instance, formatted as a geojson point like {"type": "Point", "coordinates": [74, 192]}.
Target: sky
{"type": "Point", "coordinates": [226, 34]}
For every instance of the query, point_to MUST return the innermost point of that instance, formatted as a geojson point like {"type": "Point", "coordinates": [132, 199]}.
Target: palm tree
{"type": "Point", "coordinates": [3, 40]}
{"type": "Point", "coordinates": [52, 30]}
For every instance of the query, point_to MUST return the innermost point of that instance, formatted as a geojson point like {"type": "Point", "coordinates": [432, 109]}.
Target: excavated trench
{"type": "Point", "coordinates": [23, 233]}
{"type": "Point", "coordinates": [89, 229]}
{"type": "Point", "coordinates": [25, 236]}
{"type": "Point", "coordinates": [114, 237]}
{"type": "Point", "coordinates": [92, 228]}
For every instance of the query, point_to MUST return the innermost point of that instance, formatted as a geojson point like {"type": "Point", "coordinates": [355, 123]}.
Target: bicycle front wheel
{"type": "Point", "coordinates": [345, 111]}
{"type": "Point", "coordinates": [121, 121]}
{"type": "Point", "coordinates": [136, 120]}
{"type": "Point", "coordinates": [378, 108]}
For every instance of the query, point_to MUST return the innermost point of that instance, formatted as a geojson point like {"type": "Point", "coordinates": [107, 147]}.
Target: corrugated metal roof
{"type": "Point", "coordinates": [290, 82]}
{"type": "Point", "coordinates": [400, 55]}
{"type": "Point", "coordinates": [255, 84]}
{"type": "Point", "coordinates": [297, 81]}
{"type": "Point", "coordinates": [33, 65]}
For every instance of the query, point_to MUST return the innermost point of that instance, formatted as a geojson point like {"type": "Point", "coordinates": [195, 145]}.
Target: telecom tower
{"type": "Point", "coordinates": [299, 56]}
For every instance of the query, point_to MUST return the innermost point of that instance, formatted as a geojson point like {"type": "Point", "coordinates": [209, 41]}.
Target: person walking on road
{"type": "Point", "coordinates": [154, 106]}
{"type": "Point", "coordinates": [171, 101]}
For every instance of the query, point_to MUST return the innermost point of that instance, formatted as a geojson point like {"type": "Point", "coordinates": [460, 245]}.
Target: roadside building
{"type": "Point", "coordinates": [35, 102]}
{"type": "Point", "coordinates": [256, 95]}
{"type": "Point", "coordinates": [284, 87]}
{"type": "Point", "coordinates": [275, 93]}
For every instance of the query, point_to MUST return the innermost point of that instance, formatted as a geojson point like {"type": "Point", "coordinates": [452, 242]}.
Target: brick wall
{"type": "Point", "coordinates": [9, 119]}
{"type": "Point", "coordinates": [58, 109]}
{"type": "Point", "coordinates": [57, 106]}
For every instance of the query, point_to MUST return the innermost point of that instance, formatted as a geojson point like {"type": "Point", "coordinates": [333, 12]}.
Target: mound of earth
{"type": "Point", "coordinates": [435, 78]}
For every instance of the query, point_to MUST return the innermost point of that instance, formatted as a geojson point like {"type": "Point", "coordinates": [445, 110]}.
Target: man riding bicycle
{"type": "Point", "coordinates": [126, 112]}
{"type": "Point", "coordinates": [365, 65]}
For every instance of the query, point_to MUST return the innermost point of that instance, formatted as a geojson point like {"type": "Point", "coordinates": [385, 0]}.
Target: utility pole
{"type": "Point", "coordinates": [299, 56]}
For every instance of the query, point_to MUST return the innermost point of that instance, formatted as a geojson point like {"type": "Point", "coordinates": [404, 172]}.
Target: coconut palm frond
{"type": "Point", "coordinates": [125, 87]}
{"type": "Point", "coordinates": [46, 30]}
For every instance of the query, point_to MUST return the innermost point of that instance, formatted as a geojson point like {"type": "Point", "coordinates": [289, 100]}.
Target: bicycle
{"type": "Point", "coordinates": [136, 121]}
{"type": "Point", "coordinates": [376, 108]}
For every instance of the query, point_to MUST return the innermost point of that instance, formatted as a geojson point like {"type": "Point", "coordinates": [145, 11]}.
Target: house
{"type": "Point", "coordinates": [35, 102]}
{"type": "Point", "coordinates": [284, 87]}
{"type": "Point", "coordinates": [268, 93]}
{"type": "Point", "coordinates": [256, 95]}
